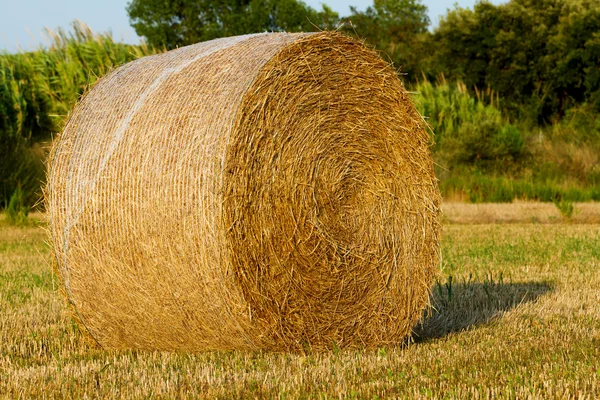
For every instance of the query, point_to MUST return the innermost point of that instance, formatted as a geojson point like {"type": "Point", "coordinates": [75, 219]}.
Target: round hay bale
{"type": "Point", "coordinates": [270, 191]}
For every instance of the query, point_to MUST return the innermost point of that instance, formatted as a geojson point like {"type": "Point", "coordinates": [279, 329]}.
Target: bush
{"type": "Point", "coordinates": [565, 207]}
{"type": "Point", "coordinates": [17, 211]}
{"type": "Point", "coordinates": [508, 143]}
{"type": "Point", "coordinates": [580, 125]}
{"type": "Point", "coordinates": [485, 144]}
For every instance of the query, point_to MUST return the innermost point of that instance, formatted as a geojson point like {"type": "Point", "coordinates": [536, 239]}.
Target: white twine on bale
{"type": "Point", "coordinates": [118, 135]}
{"type": "Point", "coordinates": [73, 218]}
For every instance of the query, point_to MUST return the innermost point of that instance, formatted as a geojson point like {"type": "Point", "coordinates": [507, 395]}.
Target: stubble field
{"type": "Point", "coordinates": [516, 315]}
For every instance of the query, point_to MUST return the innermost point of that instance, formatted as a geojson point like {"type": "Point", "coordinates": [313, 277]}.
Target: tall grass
{"type": "Point", "coordinates": [481, 155]}
{"type": "Point", "coordinates": [448, 106]}
{"type": "Point", "coordinates": [37, 90]}
{"type": "Point", "coordinates": [476, 187]}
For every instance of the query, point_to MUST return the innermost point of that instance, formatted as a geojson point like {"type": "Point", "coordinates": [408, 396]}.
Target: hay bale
{"type": "Point", "coordinates": [270, 191]}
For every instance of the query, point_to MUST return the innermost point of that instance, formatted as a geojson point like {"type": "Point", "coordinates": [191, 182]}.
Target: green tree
{"type": "Point", "coordinates": [398, 28]}
{"type": "Point", "coordinates": [541, 56]}
{"type": "Point", "coordinates": [177, 23]}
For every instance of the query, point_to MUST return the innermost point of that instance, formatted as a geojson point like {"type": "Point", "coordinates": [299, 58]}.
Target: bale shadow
{"type": "Point", "coordinates": [459, 306]}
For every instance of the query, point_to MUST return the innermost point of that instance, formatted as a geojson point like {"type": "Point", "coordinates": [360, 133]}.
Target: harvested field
{"type": "Point", "coordinates": [519, 318]}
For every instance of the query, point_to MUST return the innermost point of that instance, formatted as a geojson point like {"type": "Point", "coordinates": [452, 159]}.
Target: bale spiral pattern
{"type": "Point", "coordinates": [269, 191]}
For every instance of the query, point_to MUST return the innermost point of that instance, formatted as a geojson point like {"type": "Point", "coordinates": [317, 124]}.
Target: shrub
{"type": "Point", "coordinates": [508, 143]}
{"type": "Point", "coordinates": [484, 144]}
{"type": "Point", "coordinates": [565, 207]}
{"type": "Point", "coordinates": [17, 211]}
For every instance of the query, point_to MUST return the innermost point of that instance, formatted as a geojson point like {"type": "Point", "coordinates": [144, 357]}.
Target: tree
{"type": "Point", "coordinates": [541, 56]}
{"type": "Point", "coordinates": [175, 23]}
{"type": "Point", "coordinates": [398, 28]}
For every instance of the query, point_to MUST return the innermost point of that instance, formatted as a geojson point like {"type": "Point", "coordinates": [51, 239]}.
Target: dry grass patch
{"type": "Point", "coordinates": [518, 212]}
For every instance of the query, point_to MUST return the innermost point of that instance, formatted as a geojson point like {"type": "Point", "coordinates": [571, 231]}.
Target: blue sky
{"type": "Point", "coordinates": [22, 21]}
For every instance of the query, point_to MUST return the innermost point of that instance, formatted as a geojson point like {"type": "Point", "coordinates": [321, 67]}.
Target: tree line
{"type": "Point", "coordinates": [512, 91]}
{"type": "Point", "coordinates": [541, 57]}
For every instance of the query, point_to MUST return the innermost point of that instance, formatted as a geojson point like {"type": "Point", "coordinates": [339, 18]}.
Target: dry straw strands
{"type": "Point", "coordinates": [271, 191]}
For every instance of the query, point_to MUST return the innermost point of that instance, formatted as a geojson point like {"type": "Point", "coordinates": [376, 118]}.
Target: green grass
{"type": "Point", "coordinates": [517, 314]}
{"type": "Point", "coordinates": [482, 156]}
{"type": "Point", "coordinates": [477, 187]}
{"type": "Point", "coordinates": [38, 89]}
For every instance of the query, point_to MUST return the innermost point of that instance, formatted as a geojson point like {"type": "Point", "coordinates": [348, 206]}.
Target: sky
{"type": "Point", "coordinates": [22, 22]}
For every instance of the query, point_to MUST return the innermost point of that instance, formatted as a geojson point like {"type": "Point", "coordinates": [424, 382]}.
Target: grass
{"type": "Point", "coordinates": [480, 188]}
{"type": "Point", "coordinates": [521, 212]}
{"type": "Point", "coordinates": [482, 156]}
{"type": "Point", "coordinates": [37, 91]}
{"type": "Point", "coordinates": [517, 316]}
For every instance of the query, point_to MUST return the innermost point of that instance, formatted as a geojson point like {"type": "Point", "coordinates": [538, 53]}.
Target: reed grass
{"type": "Point", "coordinates": [447, 106]}
{"type": "Point", "coordinates": [37, 91]}
{"type": "Point", "coordinates": [39, 88]}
